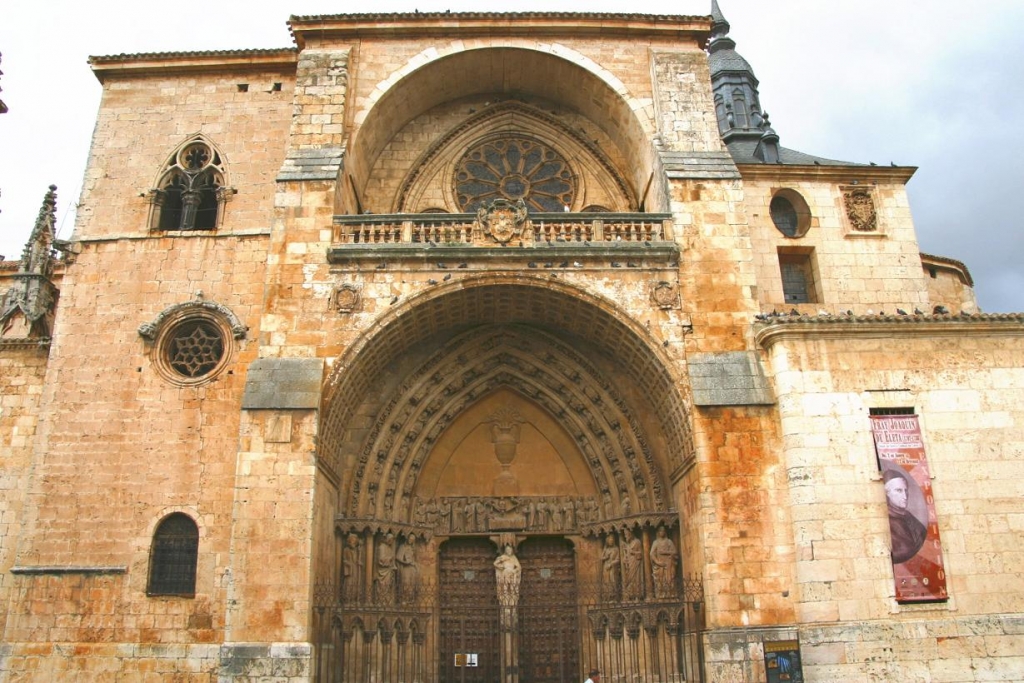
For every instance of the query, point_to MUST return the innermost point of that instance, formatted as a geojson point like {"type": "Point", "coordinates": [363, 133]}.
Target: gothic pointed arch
{"type": "Point", "coordinates": [567, 354]}
{"type": "Point", "coordinates": [512, 150]}
{"type": "Point", "coordinates": [191, 187]}
{"type": "Point", "coordinates": [537, 366]}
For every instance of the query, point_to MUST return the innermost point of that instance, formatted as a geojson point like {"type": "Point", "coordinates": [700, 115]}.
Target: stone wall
{"type": "Point", "coordinates": [855, 270]}
{"type": "Point", "coordinates": [142, 120]}
{"type": "Point", "coordinates": [120, 447]}
{"type": "Point", "coordinates": [22, 373]}
{"type": "Point", "coordinates": [964, 379]}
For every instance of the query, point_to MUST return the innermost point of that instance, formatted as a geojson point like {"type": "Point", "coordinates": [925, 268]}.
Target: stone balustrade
{"type": "Point", "coordinates": [463, 229]}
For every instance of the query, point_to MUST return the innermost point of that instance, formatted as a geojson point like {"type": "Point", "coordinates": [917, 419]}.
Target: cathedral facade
{"type": "Point", "coordinates": [496, 347]}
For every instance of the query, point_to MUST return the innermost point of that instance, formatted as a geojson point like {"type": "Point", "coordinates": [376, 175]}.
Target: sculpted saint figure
{"type": "Point", "coordinates": [351, 570]}
{"type": "Point", "coordinates": [663, 565]}
{"type": "Point", "coordinates": [384, 581]}
{"type": "Point", "coordinates": [610, 562]}
{"type": "Point", "coordinates": [508, 572]}
{"type": "Point", "coordinates": [632, 567]}
{"type": "Point", "coordinates": [445, 517]}
{"type": "Point", "coordinates": [408, 571]}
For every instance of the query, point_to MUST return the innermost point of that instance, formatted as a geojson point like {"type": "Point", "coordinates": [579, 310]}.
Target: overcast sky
{"type": "Point", "coordinates": [928, 83]}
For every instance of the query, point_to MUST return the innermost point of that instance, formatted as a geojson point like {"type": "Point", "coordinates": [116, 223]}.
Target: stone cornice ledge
{"type": "Point", "coordinates": [68, 569]}
{"type": "Point", "coordinates": [866, 326]}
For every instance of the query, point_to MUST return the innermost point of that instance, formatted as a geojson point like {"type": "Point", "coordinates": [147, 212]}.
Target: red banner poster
{"type": "Point", "coordinates": [913, 526]}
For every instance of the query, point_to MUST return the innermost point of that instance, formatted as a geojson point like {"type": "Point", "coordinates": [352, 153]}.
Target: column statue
{"type": "Point", "coordinates": [610, 565]}
{"type": "Point", "coordinates": [351, 570]}
{"type": "Point", "coordinates": [632, 567]}
{"type": "Point", "coordinates": [663, 565]}
{"type": "Point", "coordinates": [408, 571]}
{"type": "Point", "coordinates": [384, 581]}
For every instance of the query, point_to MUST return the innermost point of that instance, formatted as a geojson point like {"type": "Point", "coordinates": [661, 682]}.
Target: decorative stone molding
{"type": "Point", "coordinates": [860, 207]}
{"type": "Point", "coordinates": [150, 330]}
{"type": "Point", "coordinates": [345, 298]}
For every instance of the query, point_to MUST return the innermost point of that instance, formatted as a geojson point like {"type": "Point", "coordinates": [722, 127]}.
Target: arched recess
{"type": "Point", "coordinates": [538, 366]}
{"type": "Point", "coordinates": [549, 342]}
{"type": "Point", "coordinates": [596, 179]}
{"type": "Point", "coordinates": [449, 73]}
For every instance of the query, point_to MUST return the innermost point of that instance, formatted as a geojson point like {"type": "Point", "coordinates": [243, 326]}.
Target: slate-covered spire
{"type": "Point", "coordinates": [737, 103]}
{"type": "Point", "coordinates": [719, 24]}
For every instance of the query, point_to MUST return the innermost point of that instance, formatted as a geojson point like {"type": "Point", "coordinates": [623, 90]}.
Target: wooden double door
{"type": "Point", "coordinates": [543, 642]}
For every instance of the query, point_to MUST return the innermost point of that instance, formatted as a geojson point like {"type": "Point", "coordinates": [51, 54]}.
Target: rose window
{"type": "Point", "coordinates": [514, 169]}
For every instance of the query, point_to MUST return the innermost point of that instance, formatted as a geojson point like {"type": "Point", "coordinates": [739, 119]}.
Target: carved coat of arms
{"type": "Point", "coordinates": [860, 209]}
{"type": "Point", "coordinates": [502, 220]}
{"type": "Point", "coordinates": [665, 295]}
{"type": "Point", "coordinates": [345, 298]}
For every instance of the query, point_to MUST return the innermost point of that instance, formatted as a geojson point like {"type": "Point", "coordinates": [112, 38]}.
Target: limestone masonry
{"type": "Point", "coordinates": [496, 347]}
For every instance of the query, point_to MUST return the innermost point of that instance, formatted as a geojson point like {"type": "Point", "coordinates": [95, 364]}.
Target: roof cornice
{"type": "Point", "coordinates": [958, 267]}
{"type": "Point", "coordinates": [874, 326]}
{"type": "Point", "coordinates": [577, 24]}
{"type": "Point", "coordinates": [832, 173]}
{"type": "Point", "coordinates": [127, 65]}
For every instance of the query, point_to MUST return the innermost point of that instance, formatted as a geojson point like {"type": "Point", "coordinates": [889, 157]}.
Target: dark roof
{"type": "Point", "coordinates": [263, 52]}
{"type": "Point", "coordinates": [742, 151]}
{"type": "Point", "coordinates": [784, 319]}
{"type": "Point", "coordinates": [430, 16]}
{"type": "Point", "coordinates": [728, 60]}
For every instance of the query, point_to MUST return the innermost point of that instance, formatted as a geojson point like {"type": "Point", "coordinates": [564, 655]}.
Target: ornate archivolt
{"type": "Point", "coordinates": [488, 300]}
{"type": "Point", "coordinates": [541, 368]}
{"type": "Point", "coordinates": [433, 181]}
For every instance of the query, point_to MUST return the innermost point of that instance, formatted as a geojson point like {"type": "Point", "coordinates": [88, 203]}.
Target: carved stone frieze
{"type": "Point", "coordinates": [859, 203]}
{"type": "Point", "coordinates": [473, 514]}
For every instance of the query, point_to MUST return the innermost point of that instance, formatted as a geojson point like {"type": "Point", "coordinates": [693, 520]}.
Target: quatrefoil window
{"type": "Point", "coordinates": [514, 169]}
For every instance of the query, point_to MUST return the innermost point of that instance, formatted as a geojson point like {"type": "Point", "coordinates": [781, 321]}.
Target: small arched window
{"type": "Point", "coordinates": [723, 123]}
{"type": "Point", "coordinates": [174, 556]}
{"type": "Point", "coordinates": [190, 192]}
{"type": "Point", "coordinates": [739, 109]}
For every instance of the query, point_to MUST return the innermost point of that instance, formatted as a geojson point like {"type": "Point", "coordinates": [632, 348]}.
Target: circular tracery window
{"type": "Point", "coordinates": [194, 347]}
{"type": "Point", "coordinates": [514, 169]}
